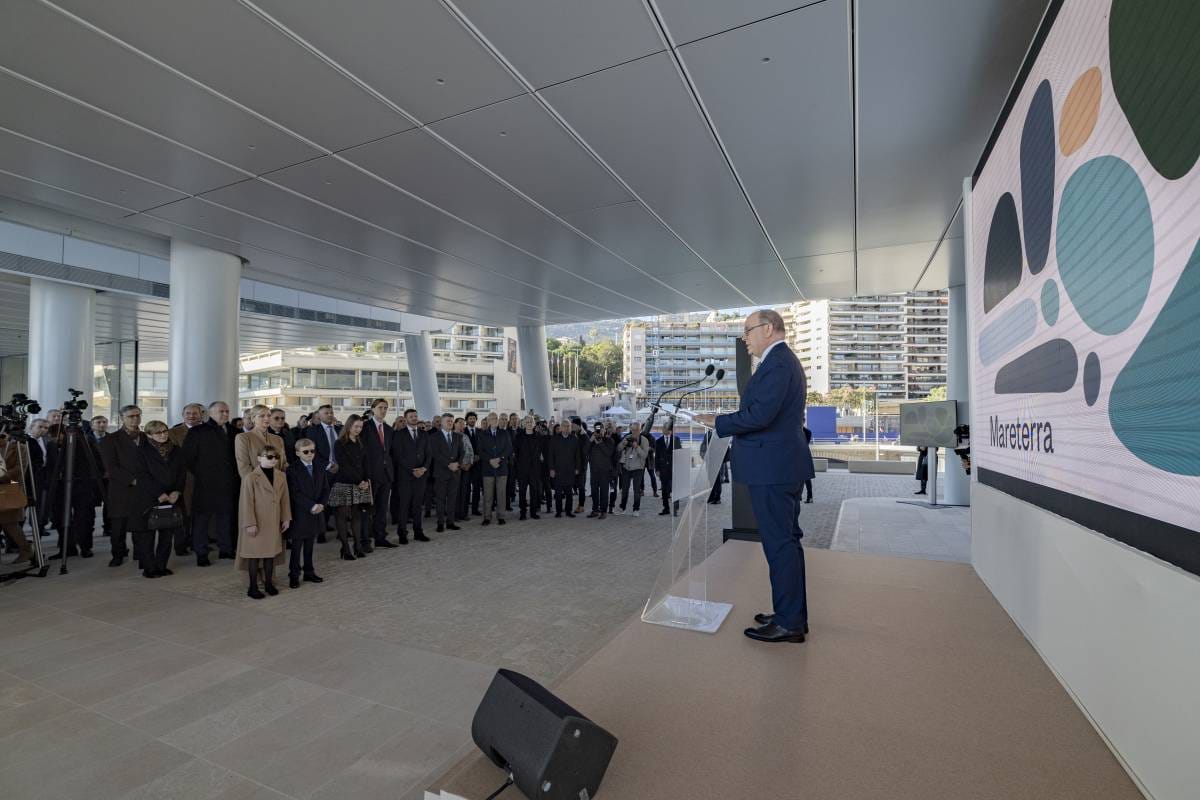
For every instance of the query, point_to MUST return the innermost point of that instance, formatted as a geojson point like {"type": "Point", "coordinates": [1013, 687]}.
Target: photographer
{"type": "Point", "coordinates": [602, 460]}
{"type": "Point", "coordinates": [632, 452]}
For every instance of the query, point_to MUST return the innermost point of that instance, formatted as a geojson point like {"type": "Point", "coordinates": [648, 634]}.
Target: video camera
{"type": "Point", "coordinates": [963, 434]}
{"type": "Point", "coordinates": [15, 413]}
{"type": "Point", "coordinates": [73, 409]}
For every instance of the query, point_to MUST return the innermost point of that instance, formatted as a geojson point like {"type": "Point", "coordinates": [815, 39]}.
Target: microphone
{"type": "Point", "coordinates": [655, 407]}
{"type": "Point", "coordinates": [717, 379]}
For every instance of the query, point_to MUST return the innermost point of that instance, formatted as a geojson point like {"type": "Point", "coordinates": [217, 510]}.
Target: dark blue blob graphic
{"type": "Point", "coordinates": [1002, 262]}
{"type": "Point", "coordinates": [1049, 367]}
{"type": "Point", "coordinates": [1153, 404]}
{"type": "Point", "coordinates": [1091, 378]}
{"type": "Point", "coordinates": [1037, 177]}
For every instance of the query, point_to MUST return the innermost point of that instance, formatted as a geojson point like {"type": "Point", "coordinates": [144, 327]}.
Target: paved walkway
{"type": "Point", "coordinates": [887, 527]}
{"type": "Point", "coordinates": [114, 686]}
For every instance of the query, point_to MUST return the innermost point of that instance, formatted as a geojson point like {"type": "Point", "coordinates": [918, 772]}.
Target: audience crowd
{"type": "Point", "coordinates": [259, 488]}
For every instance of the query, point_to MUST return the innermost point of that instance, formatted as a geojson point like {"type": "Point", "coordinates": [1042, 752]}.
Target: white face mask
{"type": "Point", "coordinates": [265, 462]}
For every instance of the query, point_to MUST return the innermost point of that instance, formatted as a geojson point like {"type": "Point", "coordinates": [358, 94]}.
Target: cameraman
{"type": "Point", "coordinates": [632, 453]}
{"type": "Point", "coordinates": [602, 460]}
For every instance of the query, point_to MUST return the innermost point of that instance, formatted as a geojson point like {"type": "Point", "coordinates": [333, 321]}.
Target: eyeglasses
{"type": "Point", "coordinates": [268, 458]}
{"type": "Point", "coordinates": [746, 332]}
{"type": "Point", "coordinates": [307, 452]}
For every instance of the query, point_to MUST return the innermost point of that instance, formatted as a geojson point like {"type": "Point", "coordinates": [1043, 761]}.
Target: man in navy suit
{"type": "Point", "coordinates": [377, 442]}
{"type": "Point", "coordinates": [771, 456]}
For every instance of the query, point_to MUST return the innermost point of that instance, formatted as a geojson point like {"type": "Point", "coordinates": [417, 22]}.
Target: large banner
{"type": "Point", "coordinates": [1084, 277]}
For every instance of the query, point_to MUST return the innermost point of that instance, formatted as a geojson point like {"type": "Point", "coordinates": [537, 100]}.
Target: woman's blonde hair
{"type": "Point", "coordinates": [155, 426]}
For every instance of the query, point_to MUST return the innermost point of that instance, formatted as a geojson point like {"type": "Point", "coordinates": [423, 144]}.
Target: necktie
{"type": "Point", "coordinates": [447, 440]}
{"type": "Point", "coordinates": [379, 430]}
{"type": "Point", "coordinates": [413, 433]}
{"type": "Point", "coordinates": [309, 468]}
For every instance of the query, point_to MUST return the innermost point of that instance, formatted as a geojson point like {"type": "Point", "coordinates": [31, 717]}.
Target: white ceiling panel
{"type": "Point", "coordinates": [795, 154]}
{"type": "Point", "coordinates": [642, 121]}
{"type": "Point", "coordinates": [420, 164]}
{"type": "Point", "coordinates": [255, 64]}
{"type": "Point", "coordinates": [57, 121]}
{"type": "Point", "coordinates": [522, 144]}
{"type": "Point", "coordinates": [342, 186]}
{"type": "Point", "coordinates": [550, 41]}
{"type": "Point", "coordinates": [43, 194]}
{"type": "Point", "coordinates": [882, 270]}
{"type": "Point", "coordinates": [823, 276]}
{"type": "Point", "coordinates": [402, 50]}
{"type": "Point", "coordinates": [933, 76]}
{"type": "Point", "coordinates": [630, 230]}
{"type": "Point", "coordinates": [688, 20]}
{"type": "Point", "coordinates": [96, 70]}
{"type": "Point", "coordinates": [23, 156]}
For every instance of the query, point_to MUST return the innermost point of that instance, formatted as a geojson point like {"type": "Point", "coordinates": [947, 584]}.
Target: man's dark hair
{"type": "Point", "coordinates": [472, 414]}
{"type": "Point", "coordinates": [377, 401]}
{"type": "Point", "coordinates": [408, 411]}
{"type": "Point", "coordinates": [326, 405]}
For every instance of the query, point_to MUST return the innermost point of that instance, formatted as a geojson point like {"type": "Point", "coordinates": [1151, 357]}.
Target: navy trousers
{"type": "Point", "coordinates": [777, 511]}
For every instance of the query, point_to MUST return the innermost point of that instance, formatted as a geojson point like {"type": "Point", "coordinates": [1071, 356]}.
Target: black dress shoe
{"type": "Point", "coordinates": [664, 512]}
{"type": "Point", "coordinates": [441, 528]}
{"type": "Point", "coordinates": [163, 571]}
{"type": "Point", "coordinates": [149, 573]}
{"type": "Point", "coordinates": [533, 515]}
{"type": "Point", "coordinates": [384, 543]}
{"type": "Point", "coordinates": [593, 515]}
{"type": "Point", "coordinates": [313, 578]}
{"type": "Point", "coordinates": [116, 561]}
{"type": "Point", "coordinates": [767, 619]}
{"type": "Point", "coordinates": [293, 582]}
{"type": "Point", "coordinates": [774, 633]}
{"type": "Point", "coordinates": [255, 593]}
{"type": "Point", "coordinates": [453, 527]}
{"type": "Point", "coordinates": [420, 537]}
{"type": "Point", "coordinates": [486, 522]}
{"type": "Point", "coordinates": [500, 520]}
{"type": "Point", "coordinates": [571, 514]}
{"type": "Point", "coordinates": [522, 517]}
{"type": "Point", "coordinates": [809, 500]}
{"type": "Point", "coordinates": [203, 562]}
{"type": "Point", "coordinates": [346, 556]}
{"type": "Point", "coordinates": [229, 556]}
{"type": "Point", "coordinates": [557, 514]}
{"type": "Point", "coordinates": [358, 553]}
{"type": "Point", "coordinates": [403, 540]}
{"type": "Point", "coordinates": [320, 539]}
{"type": "Point", "coordinates": [271, 590]}
{"type": "Point", "coordinates": [85, 553]}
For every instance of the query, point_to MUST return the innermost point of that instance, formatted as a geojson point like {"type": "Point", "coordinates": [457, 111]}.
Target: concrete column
{"type": "Point", "coordinates": [957, 489]}
{"type": "Point", "coordinates": [62, 341]}
{"type": "Point", "coordinates": [535, 369]}
{"type": "Point", "coordinates": [205, 303]}
{"type": "Point", "coordinates": [422, 373]}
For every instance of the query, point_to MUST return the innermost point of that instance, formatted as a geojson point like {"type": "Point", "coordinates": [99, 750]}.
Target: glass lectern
{"type": "Point", "coordinates": [680, 595]}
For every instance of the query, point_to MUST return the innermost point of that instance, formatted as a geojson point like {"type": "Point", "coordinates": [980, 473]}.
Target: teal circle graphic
{"type": "Point", "coordinates": [1050, 302]}
{"type": "Point", "coordinates": [1105, 244]}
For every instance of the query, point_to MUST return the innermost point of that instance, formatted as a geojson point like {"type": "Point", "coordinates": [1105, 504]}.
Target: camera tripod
{"type": "Point", "coordinates": [25, 479]}
{"type": "Point", "coordinates": [74, 439]}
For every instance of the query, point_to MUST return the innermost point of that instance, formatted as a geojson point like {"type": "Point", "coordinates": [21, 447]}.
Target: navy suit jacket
{"type": "Point", "coordinates": [768, 444]}
{"type": "Point", "coordinates": [379, 457]}
{"type": "Point", "coordinates": [306, 492]}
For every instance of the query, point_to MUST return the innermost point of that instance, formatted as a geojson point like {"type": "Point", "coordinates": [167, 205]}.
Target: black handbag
{"type": "Point", "coordinates": [161, 518]}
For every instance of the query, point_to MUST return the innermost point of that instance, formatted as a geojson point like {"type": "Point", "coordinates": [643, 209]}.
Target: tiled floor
{"type": "Point", "coordinates": [113, 686]}
{"type": "Point", "coordinates": [884, 526]}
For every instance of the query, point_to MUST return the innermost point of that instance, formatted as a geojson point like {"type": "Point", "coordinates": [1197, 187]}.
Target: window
{"type": "Point", "coordinates": [454, 382]}
{"type": "Point", "coordinates": [151, 381]}
{"type": "Point", "coordinates": [485, 383]}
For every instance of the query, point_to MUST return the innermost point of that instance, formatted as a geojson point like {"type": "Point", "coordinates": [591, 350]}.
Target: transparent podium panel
{"type": "Point", "coordinates": [679, 598]}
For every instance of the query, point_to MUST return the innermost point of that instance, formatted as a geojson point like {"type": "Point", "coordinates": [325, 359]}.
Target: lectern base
{"type": "Point", "coordinates": [705, 616]}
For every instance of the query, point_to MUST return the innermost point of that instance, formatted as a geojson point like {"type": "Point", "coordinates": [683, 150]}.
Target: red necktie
{"type": "Point", "coordinates": [379, 428]}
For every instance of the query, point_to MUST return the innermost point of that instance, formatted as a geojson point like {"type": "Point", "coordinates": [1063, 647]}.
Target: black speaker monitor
{"type": "Point", "coordinates": [553, 751]}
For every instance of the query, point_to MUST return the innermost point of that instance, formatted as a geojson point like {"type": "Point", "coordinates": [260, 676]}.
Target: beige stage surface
{"type": "Point", "coordinates": [914, 683]}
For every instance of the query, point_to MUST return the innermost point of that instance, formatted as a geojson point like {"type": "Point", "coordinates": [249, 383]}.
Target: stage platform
{"type": "Point", "coordinates": [914, 683]}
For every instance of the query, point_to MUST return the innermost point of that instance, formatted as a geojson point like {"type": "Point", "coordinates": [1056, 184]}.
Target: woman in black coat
{"type": "Point", "coordinates": [351, 490]}
{"type": "Point", "coordinates": [160, 478]}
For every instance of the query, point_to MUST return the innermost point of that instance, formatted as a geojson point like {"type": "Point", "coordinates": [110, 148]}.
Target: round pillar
{"type": "Point", "coordinates": [418, 347]}
{"type": "Point", "coordinates": [535, 369]}
{"type": "Point", "coordinates": [62, 341]}
{"type": "Point", "coordinates": [205, 303]}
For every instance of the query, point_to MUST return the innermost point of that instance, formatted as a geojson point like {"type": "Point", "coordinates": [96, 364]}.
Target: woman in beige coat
{"type": "Point", "coordinates": [264, 513]}
{"type": "Point", "coordinates": [247, 446]}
